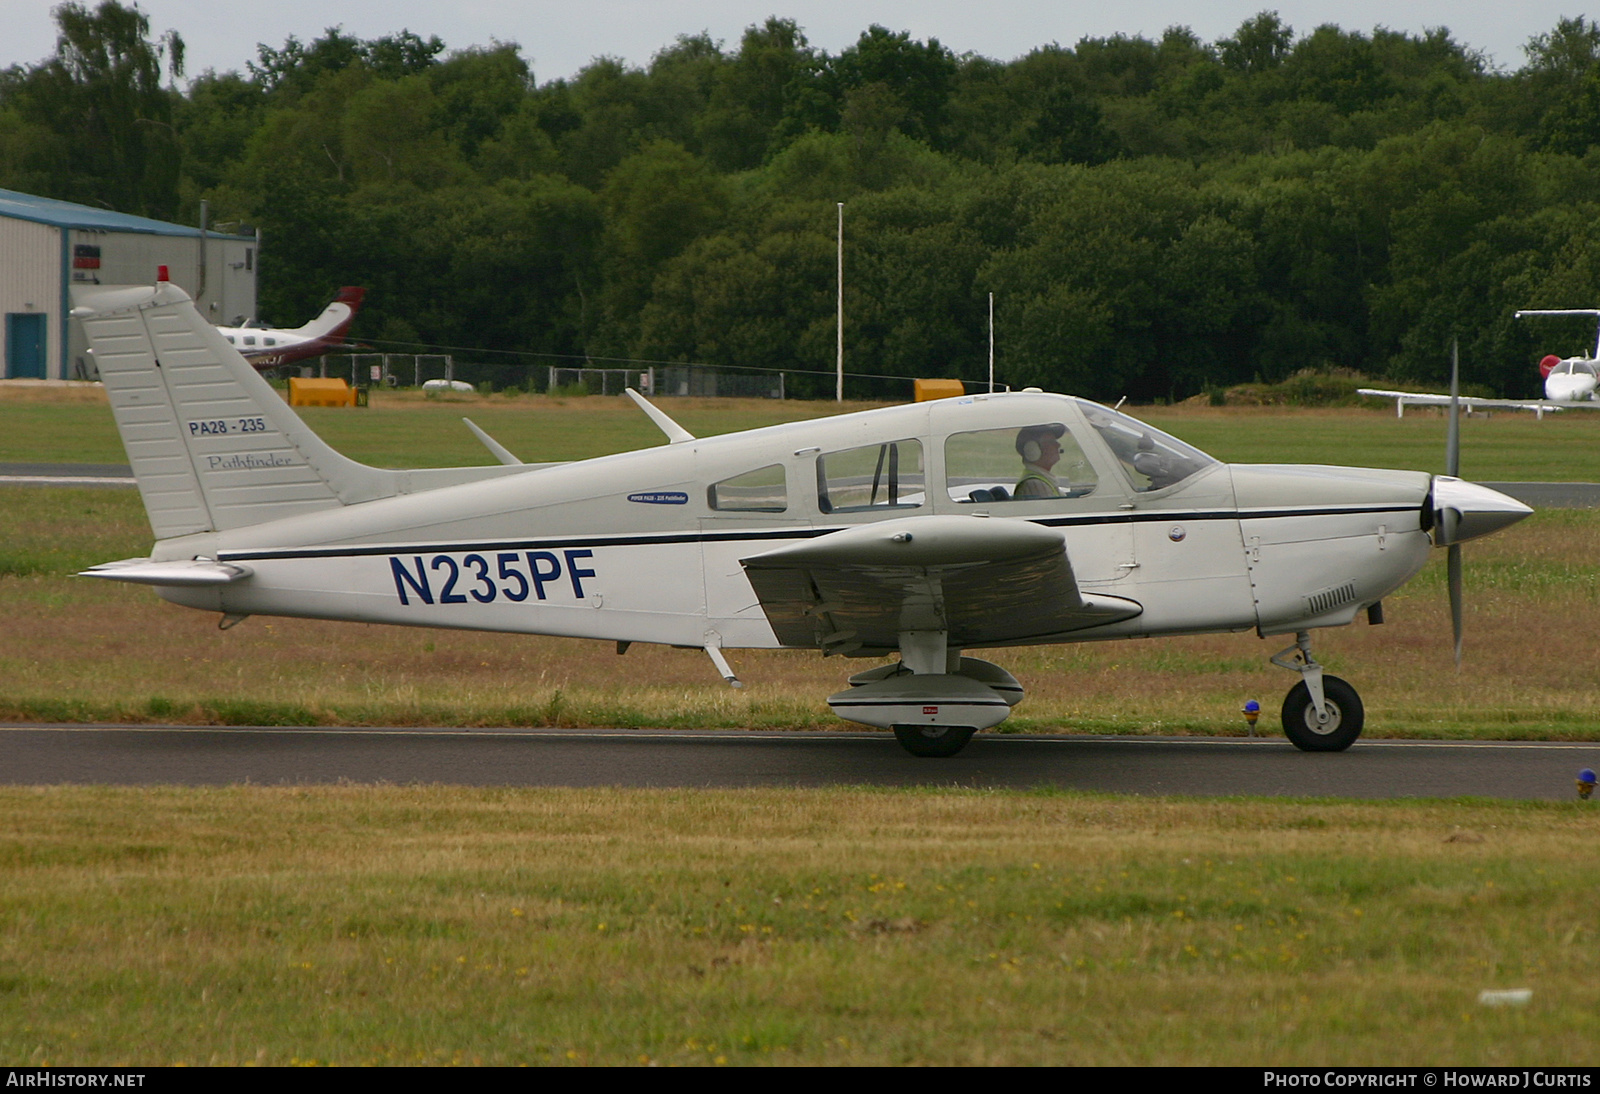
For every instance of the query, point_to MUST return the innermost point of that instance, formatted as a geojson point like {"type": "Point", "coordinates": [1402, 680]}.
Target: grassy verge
{"type": "Point", "coordinates": [361, 925]}
{"type": "Point", "coordinates": [406, 429]}
{"type": "Point", "coordinates": [80, 650]}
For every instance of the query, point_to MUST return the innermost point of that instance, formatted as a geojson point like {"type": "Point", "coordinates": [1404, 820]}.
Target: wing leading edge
{"type": "Point", "coordinates": [1469, 403]}
{"type": "Point", "coordinates": [984, 581]}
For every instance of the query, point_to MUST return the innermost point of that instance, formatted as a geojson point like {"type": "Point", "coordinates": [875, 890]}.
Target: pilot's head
{"type": "Point", "coordinates": [1040, 445]}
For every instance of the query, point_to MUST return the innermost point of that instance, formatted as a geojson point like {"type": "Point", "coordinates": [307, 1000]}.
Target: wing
{"type": "Point", "coordinates": [1470, 402]}
{"type": "Point", "coordinates": [985, 581]}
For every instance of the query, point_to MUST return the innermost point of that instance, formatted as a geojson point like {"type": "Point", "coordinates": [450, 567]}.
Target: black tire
{"type": "Point", "coordinates": [1346, 717]}
{"type": "Point", "coordinates": [933, 742]}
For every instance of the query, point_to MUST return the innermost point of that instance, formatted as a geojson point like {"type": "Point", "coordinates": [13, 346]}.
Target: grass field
{"type": "Point", "coordinates": [408, 429]}
{"type": "Point", "coordinates": [416, 924]}
{"type": "Point", "coordinates": [377, 925]}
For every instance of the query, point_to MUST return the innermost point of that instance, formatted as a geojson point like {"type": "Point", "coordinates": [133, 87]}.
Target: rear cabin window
{"type": "Point", "coordinates": [879, 476]}
{"type": "Point", "coordinates": [1026, 463]}
{"type": "Point", "coordinates": [763, 490]}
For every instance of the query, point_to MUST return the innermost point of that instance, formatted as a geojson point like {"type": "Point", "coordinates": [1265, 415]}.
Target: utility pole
{"type": "Point", "coordinates": [991, 343]}
{"type": "Point", "coordinates": [839, 385]}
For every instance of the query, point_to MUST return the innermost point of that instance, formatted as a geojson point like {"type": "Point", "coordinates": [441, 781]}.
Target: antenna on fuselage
{"type": "Point", "coordinates": [500, 451]}
{"type": "Point", "coordinates": [676, 434]}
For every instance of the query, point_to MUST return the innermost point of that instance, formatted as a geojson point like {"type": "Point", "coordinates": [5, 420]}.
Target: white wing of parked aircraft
{"type": "Point", "coordinates": [1569, 382]}
{"type": "Point", "coordinates": [923, 530]}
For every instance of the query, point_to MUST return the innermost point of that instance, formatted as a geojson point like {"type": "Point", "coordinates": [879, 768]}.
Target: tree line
{"type": "Point", "coordinates": [1156, 217]}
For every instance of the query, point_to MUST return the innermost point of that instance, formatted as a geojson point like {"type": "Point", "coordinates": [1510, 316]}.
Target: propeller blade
{"type": "Point", "coordinates": [1452, 444]}
{"type": "Point", "coordinates": [1453, 559]}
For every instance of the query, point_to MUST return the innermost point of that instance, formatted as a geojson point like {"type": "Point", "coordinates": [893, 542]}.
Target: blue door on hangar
{"type": "Point", "coordinates": [25, 346]}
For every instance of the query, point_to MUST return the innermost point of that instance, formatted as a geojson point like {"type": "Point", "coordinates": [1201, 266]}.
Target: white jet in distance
{"type": "Point", "coordinates": [920, 530]}
{"type": "Point", "coordinates": [1569, 382]}
{"type": "Point", "coordinates": [270, 347]}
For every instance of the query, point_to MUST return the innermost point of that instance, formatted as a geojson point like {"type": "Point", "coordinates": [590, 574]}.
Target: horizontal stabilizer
{"type": "Point", "coordinates": [190, 572]}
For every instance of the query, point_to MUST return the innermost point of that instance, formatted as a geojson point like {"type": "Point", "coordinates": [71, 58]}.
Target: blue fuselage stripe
{"type": "Point", "coordinates": [769, 535]}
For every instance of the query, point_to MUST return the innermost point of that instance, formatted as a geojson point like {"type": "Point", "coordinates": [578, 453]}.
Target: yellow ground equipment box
{"type": "Point", "coordinates": [938, 389]}
{"type": "Point", "coordinates": [312, 391]}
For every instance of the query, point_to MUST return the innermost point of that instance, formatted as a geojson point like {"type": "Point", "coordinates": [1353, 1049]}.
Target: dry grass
{"type": "Point", "coordinates": [75, 649]}
{"type": "Point", "coordinates": [435, 925]}
{"type": "Point", "coordinates": [363, 925]}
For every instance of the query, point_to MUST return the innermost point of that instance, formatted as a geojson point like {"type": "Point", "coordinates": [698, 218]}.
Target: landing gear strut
{"type": "Point", "coordinates": [933, 698]}
{"type": "Point", "coordinates": [1321, 713]}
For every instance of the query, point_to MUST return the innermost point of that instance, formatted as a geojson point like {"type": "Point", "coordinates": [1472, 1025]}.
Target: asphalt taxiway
{"type": "Point", "coordinates": [1205, 767]}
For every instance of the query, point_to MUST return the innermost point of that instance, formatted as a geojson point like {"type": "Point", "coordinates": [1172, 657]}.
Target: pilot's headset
{"type": "Point", "coordinates": [1028, 446]}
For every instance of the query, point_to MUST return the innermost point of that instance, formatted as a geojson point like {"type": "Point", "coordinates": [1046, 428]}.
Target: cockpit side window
{"type": "Point", "coordinates": [1152, 459]}
{"type": "Point", "coordinates": [1024, 463]}
{"type": "Point", "coordinates": [760, 491]}
{"type": "Point", "coordinates": [879, 476]}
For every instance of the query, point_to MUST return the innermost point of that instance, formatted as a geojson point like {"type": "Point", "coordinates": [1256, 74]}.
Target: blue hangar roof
{"type": "Point", "coordinates": [66, 214]}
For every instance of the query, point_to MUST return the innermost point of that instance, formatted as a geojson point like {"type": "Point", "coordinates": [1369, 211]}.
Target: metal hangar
{"type": "Point", "coordinates": [47, 245]}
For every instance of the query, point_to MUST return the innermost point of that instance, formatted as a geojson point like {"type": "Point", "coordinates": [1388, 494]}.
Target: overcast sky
{"type": "Point", "coordinates": [561, 36]}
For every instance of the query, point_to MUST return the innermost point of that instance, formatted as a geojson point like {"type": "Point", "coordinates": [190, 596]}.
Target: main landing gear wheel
{"type": "Point", "coordinates": [933, 741]}
{"type": "Point", "coordinates": [1345, 717]}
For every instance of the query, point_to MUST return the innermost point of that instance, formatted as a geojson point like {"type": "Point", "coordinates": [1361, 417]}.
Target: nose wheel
{"type": "Point", "coordinates": [1321, 713]}
{"type": "Point", "coordinates": [1340, 724]}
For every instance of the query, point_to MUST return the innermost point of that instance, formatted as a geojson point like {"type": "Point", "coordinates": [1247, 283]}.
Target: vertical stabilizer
{"type": "Point", "coordinates": [335, 320]}
{"type": "Point", "coordinates": [212, 445]}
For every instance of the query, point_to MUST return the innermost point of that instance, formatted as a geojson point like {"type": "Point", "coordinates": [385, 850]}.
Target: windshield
{"type": "Point", "coordinates": [1153, 459]}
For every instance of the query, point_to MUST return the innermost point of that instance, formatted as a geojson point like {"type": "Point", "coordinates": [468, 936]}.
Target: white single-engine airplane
{"type": "Point", "coordinates": [972, 522]}
{"type": "Point", "coordinates": [1569, 382]}
{"type": "Point", "coordinates": [270, 347]}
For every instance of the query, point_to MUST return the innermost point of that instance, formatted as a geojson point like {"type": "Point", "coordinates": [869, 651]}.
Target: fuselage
{"type": "Point", "coordinates": [647, 546]}
{"type": "Point", "coordinates": [1571, 380]}
{"type": "Point", "coordinates": [271, 347]}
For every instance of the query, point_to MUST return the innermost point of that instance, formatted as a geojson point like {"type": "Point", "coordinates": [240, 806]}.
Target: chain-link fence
{"type": "Point", "coordinates": [598, 381]}
{"type": "Point", "coordinates": [656, 381]}
{"type": "Point", "coordinates": [389, 369]}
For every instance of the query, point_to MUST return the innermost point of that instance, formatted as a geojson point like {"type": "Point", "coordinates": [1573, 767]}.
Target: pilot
{"type": "Point", "coordinates": [1040, 449]}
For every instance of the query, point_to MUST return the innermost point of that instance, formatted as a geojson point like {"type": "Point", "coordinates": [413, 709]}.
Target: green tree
{"type": "Point", "coordinates": [101, 99]}
{"type": "Point", "coordinates": [750, 93]}
{"type": "Point", "coordinates": [1259, 45]}
{"type": "Point", "coordinates": [656, 202]}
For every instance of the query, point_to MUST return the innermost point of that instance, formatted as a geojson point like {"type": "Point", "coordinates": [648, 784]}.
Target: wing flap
{"type": "Point", "coordinates": [984, 581]}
